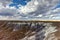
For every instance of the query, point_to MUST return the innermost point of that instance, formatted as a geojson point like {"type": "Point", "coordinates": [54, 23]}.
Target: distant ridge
{"type": "Point", "coordinates": [32, 20]}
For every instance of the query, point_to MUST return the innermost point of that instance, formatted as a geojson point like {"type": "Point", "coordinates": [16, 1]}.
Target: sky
{"type": "Point", "coordinates": [29, 9]}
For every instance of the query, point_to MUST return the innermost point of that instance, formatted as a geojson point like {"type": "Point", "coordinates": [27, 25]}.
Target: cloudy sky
{"type": "Point", "coordinates": [29, 9]}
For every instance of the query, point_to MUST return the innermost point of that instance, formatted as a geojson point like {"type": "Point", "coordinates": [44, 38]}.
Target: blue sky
{"type": "Point", "coordinates": [24, 2]}
{"type": "Point", "coordinates": [58, 6]}
{"type": "Point", "coordinates": [19, 2]}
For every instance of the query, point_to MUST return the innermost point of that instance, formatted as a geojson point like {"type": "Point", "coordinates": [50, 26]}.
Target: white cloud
{"type": "Point", "coordinates": [34, 8]}
{"type": "Point", "coordinates": [38, 7]}
{"type": "Point", "coordinates": [8, 13]}
{"type": "Point", "coordinates": [30, 7]}
{"type": "Point", "coordinates": [57, 10]}
{"type": "Point", "coordinates": [9, 10]}
{"type": "Point", "coordinates": [5, 2]}
{"type": "Point", "coordinates": [53, 14]}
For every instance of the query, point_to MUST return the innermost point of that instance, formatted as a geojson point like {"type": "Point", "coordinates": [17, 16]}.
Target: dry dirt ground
{"type": "Point", "coordinates": [57, 33]}
{"type": "Point", "coordinates": [7, 33]}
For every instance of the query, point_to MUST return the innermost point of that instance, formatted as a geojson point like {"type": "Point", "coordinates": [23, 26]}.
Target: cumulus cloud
{"type": "Point", "coordinates": [30, 7]}
{"type": "Point", "coordinates": [39, 7]}
{"type": "Point", "coordinates": [8, 13]}
{"type": "Point", "coordinates": [33, 9]}
{"type": "Point", "coordinates": [54, 14]}
{"type": "Point", "coordinates": [5, 2]}
{"type": "Point", "coordinates": [8, 10]}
